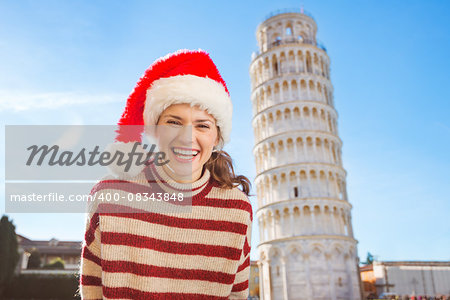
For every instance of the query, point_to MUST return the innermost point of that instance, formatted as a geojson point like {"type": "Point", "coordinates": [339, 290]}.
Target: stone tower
{"type": "Point", "coordinates": [307, 249]}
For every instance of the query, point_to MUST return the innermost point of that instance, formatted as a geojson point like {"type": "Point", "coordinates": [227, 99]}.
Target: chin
{"type": "Point", "coordinates": [180, 170]}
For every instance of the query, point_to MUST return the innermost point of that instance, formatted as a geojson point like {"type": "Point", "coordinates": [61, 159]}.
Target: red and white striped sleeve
{"type": "Point", "coordinates": [90, 266]}
{"type": "Point", "coordinates": [240, 288]}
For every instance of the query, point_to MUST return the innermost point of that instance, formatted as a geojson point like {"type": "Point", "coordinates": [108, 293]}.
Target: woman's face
{"type": "Point", "coordinates": [187, 135]}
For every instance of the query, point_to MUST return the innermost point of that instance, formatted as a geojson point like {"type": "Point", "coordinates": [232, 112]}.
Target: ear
{"type": "Point", "coordinates": [218, 137]}
{"type": "Point", "coordinates": [217, 141]}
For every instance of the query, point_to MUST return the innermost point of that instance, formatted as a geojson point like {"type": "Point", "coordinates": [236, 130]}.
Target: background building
{"type": "Point", "coordinates": [369, 289]}
{"type": "Point", "coordinates": [68, 251]}
{"type": "Point", "coordinates": [307, 249]}
{"type": "Point", "coordinates": [419, 278]}
{"type": "Point", "coordinates": [253, 281]}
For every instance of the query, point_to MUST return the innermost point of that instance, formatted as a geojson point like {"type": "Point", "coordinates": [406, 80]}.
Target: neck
{"type": "Point", "coordinates": [183, 179]}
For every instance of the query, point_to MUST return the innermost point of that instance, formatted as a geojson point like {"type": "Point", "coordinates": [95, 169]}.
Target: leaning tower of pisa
{"type": "Point", "coordinates": [307, 248]}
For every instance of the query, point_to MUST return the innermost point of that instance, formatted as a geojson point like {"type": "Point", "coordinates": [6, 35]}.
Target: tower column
{"type": "Point", "coordinates": [327, 181]}
{"type": "Point", "coordinates": [305, 149]}
{"type": "Point", "coordinates": [273, 227]}
{"type": "Point", "coordinates": [313, 221]}
{"type": "Point", "coordinates": [283, 271]}
{"type": "Point", "coordinates": [279, 195]}
{"type": "Point", "coordinates": [295, 149]}
{"type": "Point", "coordinates": [267, 293]}
{"type": "Point", "coordinates": [309, 290]}
{"type": "Point", "coordinates": [260, 224]}
{"type": "Point", "coordinates": [309, 185]}
{"type": "Point", "coordinates": [313, 141]}
{"type": "Point", "coordinates": [330, 159]}
{"type": "Point", "coordinates": [304, 63]}
{"type": "Point", "coordinates": [271, 72]}
{"type": "Point", "coordinates": [281, 99]}
{"type": "Point", "coordinates": [261, 282]}
{"type": "Point", "coordinates": [335, 223]}
{"type": "Point", "coordinates": [322, 150]}
{"type": "Point", "coordinates": [291, 220]}
{"type": "Point", "coordinates": [297, 185]}
{"type": "Point", "coordinates": [349, 267]}
{"type": "Point", "coordinates": [332, 279]}
{"type": "Point", "coordinates": [350, 227]}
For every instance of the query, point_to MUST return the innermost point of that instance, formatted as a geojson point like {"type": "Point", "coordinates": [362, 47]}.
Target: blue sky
{"type": "Point", "coordinates": [75, 62]}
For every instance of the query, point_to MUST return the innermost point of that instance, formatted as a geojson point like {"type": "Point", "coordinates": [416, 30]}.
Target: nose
{"type": "Point", "coordinates": [186, 135]}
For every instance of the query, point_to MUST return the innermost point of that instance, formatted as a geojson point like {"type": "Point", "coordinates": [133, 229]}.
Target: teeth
{"type": "Point", "coordinates": [185, 152]}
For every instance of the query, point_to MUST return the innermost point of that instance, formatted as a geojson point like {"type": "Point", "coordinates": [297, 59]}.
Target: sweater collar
{"type": "Point", "coordinates": [157, 174]}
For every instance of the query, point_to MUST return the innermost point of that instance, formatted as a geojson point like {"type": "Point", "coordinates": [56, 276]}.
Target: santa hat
{"type": "Point", "coordinates": [185, 76]}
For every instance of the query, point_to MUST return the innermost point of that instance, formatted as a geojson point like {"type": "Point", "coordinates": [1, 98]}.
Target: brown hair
{"type": "Point", "coordinates": [220, 165]}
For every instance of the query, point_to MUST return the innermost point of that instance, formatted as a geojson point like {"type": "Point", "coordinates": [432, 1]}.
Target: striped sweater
{"type": "Point", "coordinates": [157, 250]}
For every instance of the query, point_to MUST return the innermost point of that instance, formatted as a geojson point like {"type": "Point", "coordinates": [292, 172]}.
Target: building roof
{"type": "Point", "coordinates": [366, 268]}
{"type": "Point", "coordinates": [415, 263]}
{"type": "Point", "coordinates": [52, 246]}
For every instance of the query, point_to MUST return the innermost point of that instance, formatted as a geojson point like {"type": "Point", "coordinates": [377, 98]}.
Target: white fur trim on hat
{"type": "Point", "coordinates": [207, 93]}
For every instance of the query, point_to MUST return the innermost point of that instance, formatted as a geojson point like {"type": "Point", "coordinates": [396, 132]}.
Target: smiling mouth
{"type": "Point", "coordinates": [184, 154]}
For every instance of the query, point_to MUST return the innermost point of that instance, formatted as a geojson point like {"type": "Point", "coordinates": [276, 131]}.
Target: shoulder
{"type": "Point", "coordinates": [238, 193]}
{"type": "Point", "coordinates": [243, 197]}
{"type": "Point", "coordinates": [237, 198]}
{"type": "Point", "coordinates": [228, 193]}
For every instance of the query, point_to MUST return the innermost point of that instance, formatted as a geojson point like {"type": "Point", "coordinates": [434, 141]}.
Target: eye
{"type": "Point", "coordinates": [173, 122]}
{"type": "Point", "coordinates": [203, 126]}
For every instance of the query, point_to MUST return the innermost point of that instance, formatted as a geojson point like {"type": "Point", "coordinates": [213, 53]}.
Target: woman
{"type": "Point", "coordinates": [145, 253]}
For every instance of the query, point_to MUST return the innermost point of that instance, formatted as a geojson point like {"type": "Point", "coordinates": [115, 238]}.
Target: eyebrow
{"type": "Point", "coordinates": [179, 118]}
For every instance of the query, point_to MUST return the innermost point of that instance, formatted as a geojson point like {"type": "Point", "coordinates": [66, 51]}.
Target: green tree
{"type": "Point", "coordinates": [369, 259]}
{"type": "Point", "coordinates": [34, 261]}
{"type": "Point", "coordinates": [57, 263]}
{"type": "Point", "coordinates": [9, 254]}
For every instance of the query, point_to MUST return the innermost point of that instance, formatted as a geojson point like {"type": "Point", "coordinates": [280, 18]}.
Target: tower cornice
{"type": "Point", "coordinates": [303, 201]}
{"type": "Point", "coordinates": [300, 164]}
{"type": "Point", "coordinates": [285, 76]}
{"type": "Point", "coordinates": [310, 237]}
{"type": "Point", "coordinates": [298, 45]}
{"type": "Point", "coordinates": [297, 131]}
